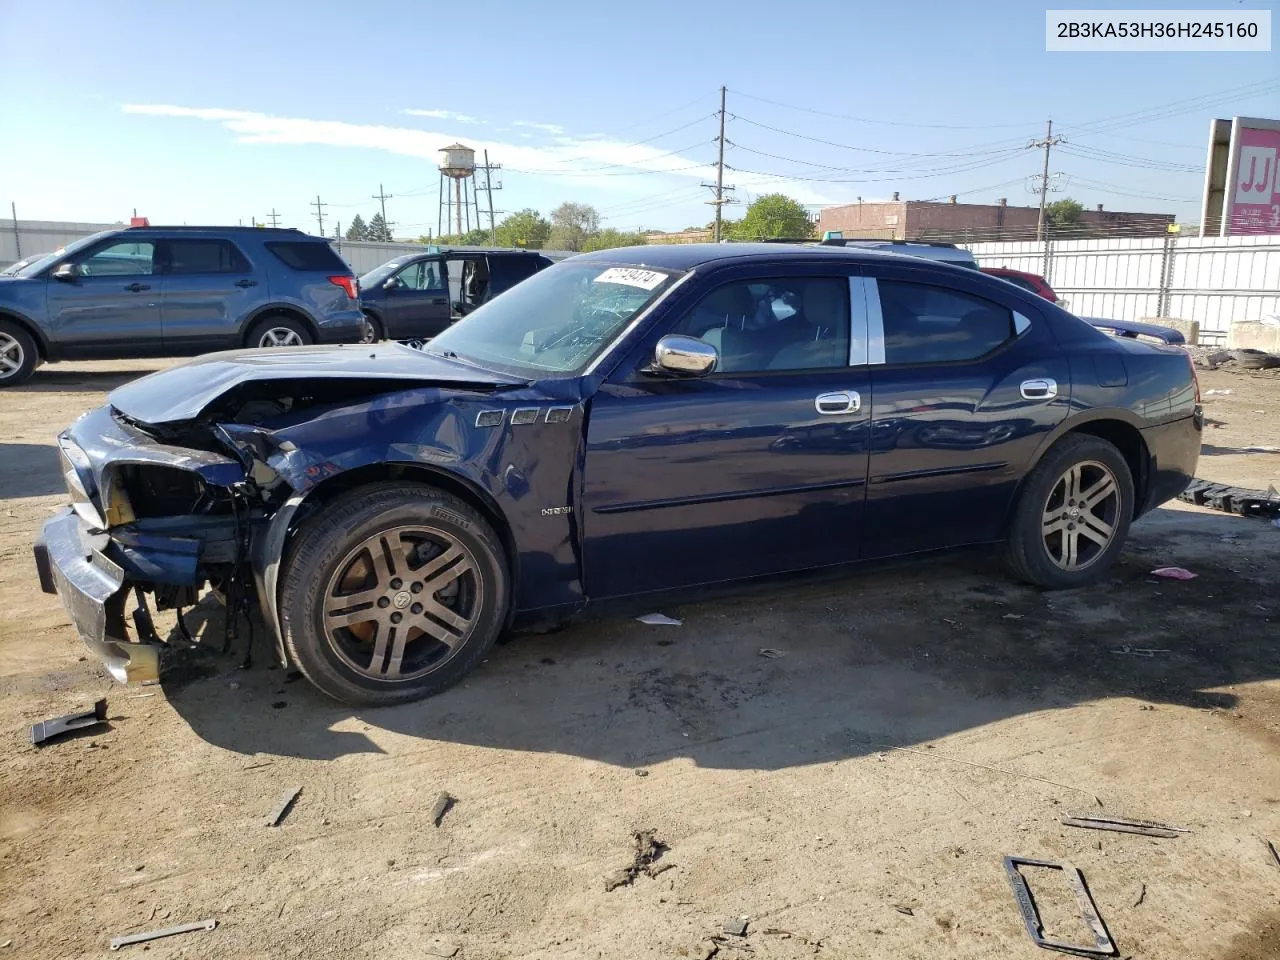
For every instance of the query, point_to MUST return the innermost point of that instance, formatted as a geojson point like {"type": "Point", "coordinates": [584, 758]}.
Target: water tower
{"type": "Point", "coordinates": [457, 199]}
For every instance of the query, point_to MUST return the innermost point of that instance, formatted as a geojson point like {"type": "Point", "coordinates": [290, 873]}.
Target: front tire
{"type": "Point", "coordinates": [18, 355]}
{"type": "Point", "coordinates": [392, 593]}
{"type": "Point", "coordinates": [1072, 516]}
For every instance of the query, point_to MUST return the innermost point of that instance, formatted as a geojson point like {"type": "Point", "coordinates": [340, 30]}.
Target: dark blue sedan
{"type": "Point", "coordinates": [626, 422]}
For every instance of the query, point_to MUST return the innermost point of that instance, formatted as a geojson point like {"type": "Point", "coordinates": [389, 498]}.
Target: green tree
{"type": "Point", "coordinates": [359, 230]}
{"type": "Point", "coordinates": [1062, 213]}
{"type": "Point", "coordinates": [571, 225]}
{"type": "Point", "coordinates": [474, 238]}
{"type": "Point", "coordinates": [610, 238]}
{"type": "Point", "coordinates": [378, 229]}
{"type": "Point", "coordinates": [773, 215]}
{"type": "Point", "coordinates": [524, 228]}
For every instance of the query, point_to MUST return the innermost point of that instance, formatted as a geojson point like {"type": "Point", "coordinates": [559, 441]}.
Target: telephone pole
{"type": "Point", "coordinates": [489, 188]}
{"type": "Point", "coordinates": [1048, 143]}
{"type": "Point", "coordinates": [382, 196]}
{"type": "Point", "coordinates": [319, 213]}
{"type": "Point", "coordinates": [719, 186]}
{"type": "Point", "coordinates": [275, 217]}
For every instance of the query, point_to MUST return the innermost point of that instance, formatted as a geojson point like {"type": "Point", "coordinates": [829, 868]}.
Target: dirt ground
{"type": "Point", "coordinates": [852, 798]}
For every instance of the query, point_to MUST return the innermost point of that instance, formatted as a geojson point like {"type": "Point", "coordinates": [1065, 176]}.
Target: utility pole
{"type": "Point", "coordinates": [488, 187]}
{"type": "Point", "coordinates": [1048, 143]}
{"type": "Point", "coordinates": [719, 186]}
{"type": "Point", "coordinates": [17, 237]}
{"type": "Point", "coordinates": [275, 217]}
{"type": "Point", "coordinates": [382, 196]}
{"type": "Point", "coordinates": [320, 213]}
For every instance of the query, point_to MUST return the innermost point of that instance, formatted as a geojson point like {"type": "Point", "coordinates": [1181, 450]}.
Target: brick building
{"type": "Point", "coordinates": [971, 222]}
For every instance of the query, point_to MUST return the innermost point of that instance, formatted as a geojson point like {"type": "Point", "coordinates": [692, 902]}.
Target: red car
{"type": "Point", "coordinates": [1027, 281]}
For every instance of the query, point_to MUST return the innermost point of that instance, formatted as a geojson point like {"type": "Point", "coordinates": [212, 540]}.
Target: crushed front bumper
{"type": "Point", "coordinates": [92, 588]}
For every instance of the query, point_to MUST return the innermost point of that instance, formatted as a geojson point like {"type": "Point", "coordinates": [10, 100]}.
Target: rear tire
{"type": "Point", "coordinates": [374, 331]}
{"type": "Point", "coordinates": [1072, 516]}
{"type": "Point", "coordinates": [279, 331]}
{"type": "Point", "coordinates": [18, 354]}
{"type": "Point", "coordinates": [392, 593]}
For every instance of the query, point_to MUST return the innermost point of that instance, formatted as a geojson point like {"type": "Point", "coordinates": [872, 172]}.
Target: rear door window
{"type": "Point", "coordinates": [205, 256]}
{"type": "Point", "coordinates": [929, 324]}
{"type": "Point", "coordinates": [317, 257]}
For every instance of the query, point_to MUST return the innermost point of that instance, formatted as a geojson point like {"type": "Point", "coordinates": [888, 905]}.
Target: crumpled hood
{"type": "Point", "coordinates": [182, 392]}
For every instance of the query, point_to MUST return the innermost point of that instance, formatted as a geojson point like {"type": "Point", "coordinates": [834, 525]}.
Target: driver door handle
{"type": "Point", "coordinates": [838, 402]}
{"type": "Point", "coordinates": [246, 283]}
{"type": "Point", "coordinates": [138, 287]}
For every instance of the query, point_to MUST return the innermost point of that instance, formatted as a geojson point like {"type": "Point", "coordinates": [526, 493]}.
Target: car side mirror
{"type": "Point", "coordinates": [66, 272]}
{"type": "Point", "coordinates": [684, 356]}
{"type": "Point", "coordinates": [392, 284]}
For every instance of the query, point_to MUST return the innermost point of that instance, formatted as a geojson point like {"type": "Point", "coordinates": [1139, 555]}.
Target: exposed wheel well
{"type": "Point", "coordinates": [1132, 447]}
{"type": "Point", "coordinates": [334, 487]}
{"type": "Point", "coordinates": [42, 348]}
{"type": "Point", "coordinates": [295, 315]}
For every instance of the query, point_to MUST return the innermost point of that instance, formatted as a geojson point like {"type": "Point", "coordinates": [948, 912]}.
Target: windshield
{"type": "Point", "coordinates": [557, 321]}
{"type": "Point", "coordinates": [378, 274]}
{"type": "Point", "coordinates": [49, 259]}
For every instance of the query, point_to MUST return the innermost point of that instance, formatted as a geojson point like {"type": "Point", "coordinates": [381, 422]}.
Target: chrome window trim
{"type": "Point", "coordinates": [875, 323]}
{"type": "Point", "coordinates": [636, 321]}
{"type": "Point", "coordinates": [859, 339]}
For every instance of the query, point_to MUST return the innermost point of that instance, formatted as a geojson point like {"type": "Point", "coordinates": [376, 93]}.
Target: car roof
{"type": "Point", "coordinates": [270, 233]}
{"type": "Point", "coordinates": [686, 256]}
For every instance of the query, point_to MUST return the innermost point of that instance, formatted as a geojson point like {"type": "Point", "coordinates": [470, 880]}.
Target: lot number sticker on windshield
{"type": "Point", "coordinates": [631, 277]}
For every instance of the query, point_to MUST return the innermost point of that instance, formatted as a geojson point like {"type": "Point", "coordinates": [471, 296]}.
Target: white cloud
{"type": "Point", "coordinates": [582, 161]}
{"type": "Point", "coordinates": [554, 128]}
{"type": "Point", "coordinates": [442, 115]}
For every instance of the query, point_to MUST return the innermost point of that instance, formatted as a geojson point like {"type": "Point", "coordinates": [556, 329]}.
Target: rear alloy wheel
{"type": "Point", "coordinates": [1073, 515]}
{"type": "Point", "coordinates": [18, 355]}
{"type": "Point", "coordinates": [279, 332]}
{"type": "Point", "coordinates": [392, 593]}
{"type": "Point", "coordinates": [372, 332]}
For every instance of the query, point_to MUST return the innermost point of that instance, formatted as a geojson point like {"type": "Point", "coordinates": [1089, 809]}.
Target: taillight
{"type": "Point", "coordinates": [1195, 378]}
{"type": "Point", "coordinates": [347, 283]}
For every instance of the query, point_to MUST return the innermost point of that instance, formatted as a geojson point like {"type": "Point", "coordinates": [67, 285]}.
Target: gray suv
{"type": "Point", "coordinates": [175, 291]}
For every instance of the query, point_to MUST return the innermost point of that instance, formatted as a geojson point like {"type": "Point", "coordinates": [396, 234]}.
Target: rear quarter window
{"type": "Point", "coordinates": [306, 255]}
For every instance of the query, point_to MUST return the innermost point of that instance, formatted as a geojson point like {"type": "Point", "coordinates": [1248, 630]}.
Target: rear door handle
{"type": "Point", "coordinates": [246, 283]}
{"type": "Point", "coordinates": [138, 287]}
{"type": "Point", "coordinates": [1041, 388]}
{"type": "Point", "coordinates": [838, 402]}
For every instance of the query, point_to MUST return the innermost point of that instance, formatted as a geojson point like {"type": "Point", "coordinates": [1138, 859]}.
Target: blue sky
{"type": "Point", "coordinates": [222, 112]}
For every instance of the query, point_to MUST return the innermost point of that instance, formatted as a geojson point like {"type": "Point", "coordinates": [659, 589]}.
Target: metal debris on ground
{"type": "Point", "coordinates": [660, 620]}
{"type": "Point", "coordinates": [736, 926]}
{"type": "Point", "coordinates": [1142, 895]}
{"type": "Point", "coordinates": [286, 803]}
{"type": "Point", "coordinates": [441, 807]}
{"type": "Point", "coordinates": [1103, 945]}
{"type": "Point", "coordinates": [118, 942]}
{"type": "Point", "coordinates": [1238, 500]}
{"type": "Point", "coordinates": [903, 909]}
{"type": "Point", "coordinates": [1261, 449]}
{"type": "Point", "coordinates": [1147, 828]}
{"type": "Point", "coordinates": [46, 730]}
{"type": "Point", "coordinates": [1142, 651]}
{"type": "Point", "coordinates": [1174, 573]}
{"type": "Point", "coordinates": [648, 850]}
{"type": "Point", "coordinates": [771, 653]}
{"type": "Point", "coordinates": [1275, 854]}
{"type": "Point", "coordinates": [1218, 393]}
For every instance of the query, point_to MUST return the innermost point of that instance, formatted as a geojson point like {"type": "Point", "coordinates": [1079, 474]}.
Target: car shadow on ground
{"type": "Point", "coordinates": [51, 379]}
{"type": "Point", "coordinates": [868, 661]}
{"type": "Point", "coordinates": [29, 470]}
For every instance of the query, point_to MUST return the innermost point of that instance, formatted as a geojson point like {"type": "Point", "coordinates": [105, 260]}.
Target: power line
{"type": "Point", "coordinates": [319, 213]}
{"type": "Point", "coordinates": [1176, 107]}
{"type": "Point", "coordinates": [963, 152]}
{"type": "Point", "coordinates": [887, 123]}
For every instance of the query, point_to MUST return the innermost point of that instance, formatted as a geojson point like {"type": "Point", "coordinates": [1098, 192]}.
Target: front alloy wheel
{"type": "Point", "coordinates": [280, 337]}
{"type": "Point", "coordinates": [392, 592]}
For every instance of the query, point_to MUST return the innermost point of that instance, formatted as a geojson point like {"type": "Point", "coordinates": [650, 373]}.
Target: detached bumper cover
{"type": "Point", "coordinates": [92, 589]}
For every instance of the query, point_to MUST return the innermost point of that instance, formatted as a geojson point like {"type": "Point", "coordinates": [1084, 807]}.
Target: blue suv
{"type": "Point", "coordinates": [175, 291]}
